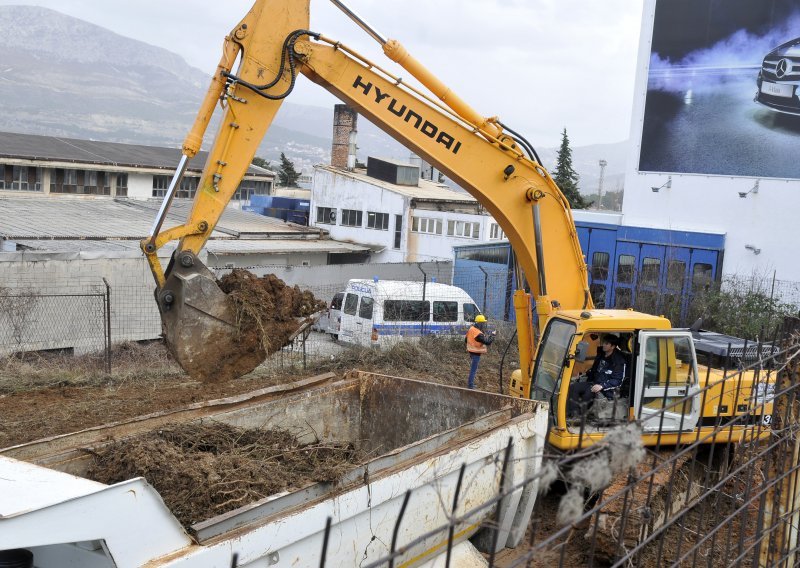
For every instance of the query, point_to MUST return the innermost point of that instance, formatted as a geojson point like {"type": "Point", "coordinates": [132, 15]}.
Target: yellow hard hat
{"type": "Point", "coordinates": [480, 318]}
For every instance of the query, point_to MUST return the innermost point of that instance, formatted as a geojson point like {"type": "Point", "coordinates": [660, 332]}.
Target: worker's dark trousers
{"type": "Point", "coordinates": [581, 398]}
{"type": "Point", "coordinates": [473, 369]}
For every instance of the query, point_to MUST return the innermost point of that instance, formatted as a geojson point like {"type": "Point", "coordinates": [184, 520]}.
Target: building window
{"type": "Point", "coordinates": [651, 271]}
{"type": "Point", "coordinates": [600, 262]}
{"type": "Point", "coordinates": [676, 271]}
{"type": "Point", "coordinates": [625, 269]}
{"type": "Point", "coordinates": [326, 215]}
{"type": "Point", "coordinates": [64, 181]}
{"type": "Point", "coordinates": [187, 189]}
{"type": "Point", "coordinates": [426, 225]}
{"type": "Point", "coordinates": [623, 298]}
{"type": "Point", "coordinates": [463, 229]}
{"type": "Point", "coordinates": [378, 221]}
{"type": "Point", "coordinates": [495, 232]}
{"type": "Point", "coordinates": [701, 276]}
{"type": "Point", "coordinates": [598, 292]}
{"type": "Point", "coordinates": [94, 183]}
{"type": "Point", "coordinates": [352, 218]}
{"type": "Point", "coordinates": [21, 178]}
{"type": "Point", "coordinates": [398, 230]}
{"type": "Point", "coordinates": [250, 187]}
{"type": "Point", "coordinates": [122, 185]}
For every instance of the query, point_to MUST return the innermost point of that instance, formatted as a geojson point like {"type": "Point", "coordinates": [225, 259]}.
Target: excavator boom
{"type": "Point", "coordinates": [274, 47]}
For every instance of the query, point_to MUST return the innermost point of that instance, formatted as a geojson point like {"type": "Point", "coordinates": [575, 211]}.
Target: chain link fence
{"type": "Point", "coordinates": [88, 316]}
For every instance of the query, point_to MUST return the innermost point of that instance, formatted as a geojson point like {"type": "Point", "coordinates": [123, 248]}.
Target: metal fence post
{"type": "Point", "coordinates": [107, 324]}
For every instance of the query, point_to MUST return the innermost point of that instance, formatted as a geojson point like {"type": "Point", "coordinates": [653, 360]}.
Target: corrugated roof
{"type": "Point", "coordinates": [427, 190]}
{"type": "Point", "coordinates": [104, 218]}
{"type": "Point", "coordinates": [51, 148]}
{"type": "Point", "coordinates": [229, 246]}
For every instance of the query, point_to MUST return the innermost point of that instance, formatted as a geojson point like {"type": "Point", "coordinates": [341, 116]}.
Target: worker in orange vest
{"type": "Point", "coordinates": [477, 340]}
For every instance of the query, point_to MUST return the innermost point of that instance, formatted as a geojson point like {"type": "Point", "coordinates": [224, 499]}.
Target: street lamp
{"type": "Point", "coordinates": [603, 165]}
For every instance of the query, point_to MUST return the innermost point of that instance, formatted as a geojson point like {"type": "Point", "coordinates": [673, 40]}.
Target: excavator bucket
{"type": "Point", "coordinates": [200, 328]}
{"type": "Point", "coordinates": [222, 329]}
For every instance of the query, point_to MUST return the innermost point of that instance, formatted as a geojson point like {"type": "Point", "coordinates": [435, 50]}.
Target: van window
{"type": "Point", "coordinates": [350, 304]}
{"type": "Point", "coordinates": [445, 311]}
{"type": "Point", "coordinates": [470, 311]}
{"type": "Point", "coordinates": [336, 303]}
{"type": "Point", "coordinates": [365, 309]}
{"type": "Point", "coordinates": [406, 310]}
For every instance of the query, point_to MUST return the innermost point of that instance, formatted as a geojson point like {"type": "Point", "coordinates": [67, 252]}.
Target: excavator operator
{"type": "Point", "coordinates": [604, 377]}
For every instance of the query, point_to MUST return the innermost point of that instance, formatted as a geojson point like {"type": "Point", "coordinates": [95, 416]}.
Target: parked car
{"type": "Point", "coordinates": [779, 79]}
{"type": "Point", "coordinates": [330, 320]}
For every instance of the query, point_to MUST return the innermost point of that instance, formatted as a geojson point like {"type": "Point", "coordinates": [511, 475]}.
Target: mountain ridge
{"type": "Point", "coordinates": [62, 76]}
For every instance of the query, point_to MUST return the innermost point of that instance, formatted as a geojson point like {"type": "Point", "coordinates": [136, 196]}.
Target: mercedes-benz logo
{"type": "Point", "coordinates": [782, 68]}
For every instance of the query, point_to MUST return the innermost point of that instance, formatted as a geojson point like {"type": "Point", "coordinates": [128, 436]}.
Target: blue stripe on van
{"type": "Point", "coordinates": [412, 329]}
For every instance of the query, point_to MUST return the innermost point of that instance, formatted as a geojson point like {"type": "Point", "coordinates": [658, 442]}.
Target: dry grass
{"type": "Point", "coordinates": [130, 362]}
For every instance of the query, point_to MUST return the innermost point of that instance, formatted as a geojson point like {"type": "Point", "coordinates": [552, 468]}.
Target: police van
{"type": "Point", "coordinates": [381, 312]}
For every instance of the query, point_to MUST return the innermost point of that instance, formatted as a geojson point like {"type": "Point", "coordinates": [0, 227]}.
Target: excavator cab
{"type": "Point", "coordinates": [659, 380]}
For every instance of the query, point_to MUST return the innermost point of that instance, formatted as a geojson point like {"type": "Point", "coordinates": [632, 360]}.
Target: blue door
{"type": "Point", "coordinates": [649, 280]}
{"type": "Point", "coordinates": [626, 262]}
{"type": "Point", "coordinates": [599, 250]}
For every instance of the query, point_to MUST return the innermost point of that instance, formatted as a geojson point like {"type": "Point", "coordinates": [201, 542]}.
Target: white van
{"type": "Point", "coordinates": [330, 319]}
{"type": "Point", "coordinates": [381, 312]}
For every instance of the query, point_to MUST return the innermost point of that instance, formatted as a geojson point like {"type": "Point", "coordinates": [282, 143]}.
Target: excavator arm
{"type": "Point", "coordinates": [273, 47]}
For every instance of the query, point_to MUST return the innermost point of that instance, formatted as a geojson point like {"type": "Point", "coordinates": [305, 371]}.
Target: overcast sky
{"type": "Point", "coordinates": [540, 65]}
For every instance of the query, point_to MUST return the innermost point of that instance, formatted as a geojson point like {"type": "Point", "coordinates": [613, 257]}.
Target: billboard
{"type": "Point", "coordinates": [723, 89]}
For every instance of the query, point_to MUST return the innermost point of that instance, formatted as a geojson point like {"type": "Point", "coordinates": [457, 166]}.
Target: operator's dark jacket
{"type": "Point", "coordinates": [608, 372]}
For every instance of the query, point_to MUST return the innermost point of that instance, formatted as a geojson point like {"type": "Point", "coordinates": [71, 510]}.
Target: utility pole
{"type": "Point", "coordinates": [603, 165]}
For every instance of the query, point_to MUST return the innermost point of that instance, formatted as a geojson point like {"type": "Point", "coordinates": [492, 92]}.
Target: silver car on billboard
{"type": "Point", "coordinates": [779, 79]}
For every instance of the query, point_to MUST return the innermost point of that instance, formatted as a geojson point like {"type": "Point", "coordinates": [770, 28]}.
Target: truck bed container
{"type": "Point", "coordinates": [421, 434]}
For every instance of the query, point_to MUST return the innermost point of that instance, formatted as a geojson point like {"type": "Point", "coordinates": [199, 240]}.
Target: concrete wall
{"type": "Point", "coordinates": [57, 301]}
{"type": "Point", "coordinates": [765, 220]}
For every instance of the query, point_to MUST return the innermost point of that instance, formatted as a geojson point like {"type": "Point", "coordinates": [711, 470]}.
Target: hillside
{"type": "Point", "coordinates": [61, 76]}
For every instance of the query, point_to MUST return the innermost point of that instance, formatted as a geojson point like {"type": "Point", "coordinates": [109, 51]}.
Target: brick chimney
{"type": "Point", "coordinates": [344, 124]}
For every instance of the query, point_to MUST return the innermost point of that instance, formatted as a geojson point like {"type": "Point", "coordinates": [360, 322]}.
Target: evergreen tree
{"type": "Point", "coordinates": [287, 175]}
{"type": "Point", "coordinates": [260, 162]}
{"type": "Point", "coordinates": [565, 176]}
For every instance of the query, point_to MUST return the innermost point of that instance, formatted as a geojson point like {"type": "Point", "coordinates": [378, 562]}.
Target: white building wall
{"type": "Point", "coordinates": [343, 192]}
{"type": "Point", "coordinates": [765, 220]}
{"type": "Point", "coordinates": [424, 247]}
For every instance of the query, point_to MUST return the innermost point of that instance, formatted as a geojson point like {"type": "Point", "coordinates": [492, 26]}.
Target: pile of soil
{"type": "Point", "coordinates": [205, 469]}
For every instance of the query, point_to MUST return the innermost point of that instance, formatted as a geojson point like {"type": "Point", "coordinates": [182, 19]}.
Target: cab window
{"type": "Point", "coordinates": [470, 311]}
{"type": "Point", "coordinates": [550, 361]}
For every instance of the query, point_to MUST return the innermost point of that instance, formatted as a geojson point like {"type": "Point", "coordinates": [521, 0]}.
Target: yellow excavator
{"type": "Point", "coordinates": [675, 397]}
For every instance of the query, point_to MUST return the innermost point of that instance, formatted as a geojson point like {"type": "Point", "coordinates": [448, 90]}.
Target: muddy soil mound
{"type": "Point", "coordinates": [203, 470]}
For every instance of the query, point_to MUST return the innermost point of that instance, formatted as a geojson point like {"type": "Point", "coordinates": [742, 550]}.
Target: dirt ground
{"type": "Point", "coordinates": [47, 396]}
